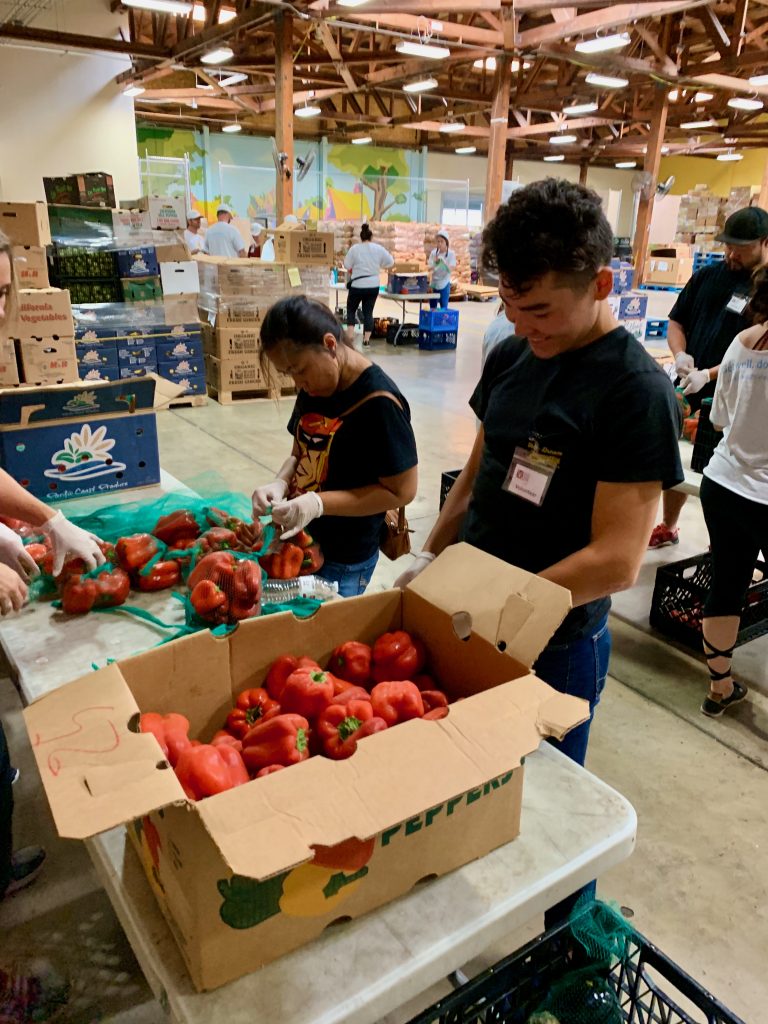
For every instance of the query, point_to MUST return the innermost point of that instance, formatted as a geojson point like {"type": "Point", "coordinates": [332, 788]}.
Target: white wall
{"type": "Point", "coordinates": [61, 112]}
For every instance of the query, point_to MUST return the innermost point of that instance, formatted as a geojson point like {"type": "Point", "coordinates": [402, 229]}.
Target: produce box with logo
{"type": "Point", "coordinates": [38, 312]}
{"type": "Point", "coordinates": [79, 440]}
{"type": "Point", "coordinates": [30, 266]}
{"type": "Point", "coordinates": [252, 873]}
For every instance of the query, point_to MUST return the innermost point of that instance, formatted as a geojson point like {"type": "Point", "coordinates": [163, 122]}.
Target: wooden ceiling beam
{"type": "Point", "coordinates": [650, 38]}
{"type": "Point", "coordinates": [714, 29]}
{"type": "Point", "coordinates": [441, 30]}
{"type": "Point", "coordinates": [738, 32]}
{"type": "Point", "coordinates": [330, 44]}
{"type": "Point", "coordinates": [612, 16]}
{"type": "Point", "coordinates": [74, 41]}
{"type": "Point", "coordinates": [746, 59]}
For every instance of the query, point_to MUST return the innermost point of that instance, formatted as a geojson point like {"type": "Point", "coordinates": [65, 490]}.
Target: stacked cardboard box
{"type": "Point", "coordinates": [41, 329]}
{"type": "Point", "coordinates": [703, 215]}
{"type": "Point", "coordinates": [92, 188]}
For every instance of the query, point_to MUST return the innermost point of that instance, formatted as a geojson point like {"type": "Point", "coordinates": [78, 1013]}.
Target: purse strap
{"type": "Point", "coordinates": [402, 524]}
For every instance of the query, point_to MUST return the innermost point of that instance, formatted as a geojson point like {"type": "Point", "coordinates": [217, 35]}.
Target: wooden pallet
{"type": "Point", "coordinates": [480, 292]}
{"type": "Point", "coordinates": [252, 395]}
{"type": "Point", "coordinates": [193, 401]}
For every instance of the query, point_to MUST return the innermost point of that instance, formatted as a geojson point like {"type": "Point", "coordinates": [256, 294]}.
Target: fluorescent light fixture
{"type": "Point", "coordinates": [452, 126]}
{"type": "Point", "coordinates": [234, 79]}
{"type": "Point", "coordinates": [489, 64]}
{"type": "Point", "coordinates": [562, 140]}
{"type": "Point", "coordinates": [607, 81]}
{"type": "Point", "coordinates": [351, 3]}
{"type": "Point", "coordinates": [225, 14]}
{"type": "Point", "coordinates": [163, 6]}
{"type": "Point", "coordinates": [744, 103]}
{"type": "Point", "coordinates": [421, 86]}
{"type": "Point", "coordinates": [218, 56]}
{"type": "Point", "coordinates": [466, 150]}
{"type": "Point", "coordinates": [689, 125]}
{"type": "Point", "coordinates": [362, 141]}
{"type": "Point", "coordinates": [500, 120]}
{"type": "Point", "coordinates": [554, 159]}
{"type": "Point", "coordinates": [308, 111]}
{"type": "Point", "coordinates": [674, 95]}
{"type": "Point", "coordinates": [758, 80]}
{"type": "Point", "coordinates": [626, 165]}
{"type": "Point", "coordinates": [133, 90]}
{"type": "Point", "coordinates": [599, 44]}
{"type": "Point", "coordinates": [703, 97]}
{"type": "Point", "coordinates": [414, 49]}
{"type": "Point", "coordinates": [729, 156]}
{"type": "Point", "coordinates": [230, 129]}
{"type": "Point", "coordinates": [580, 108]}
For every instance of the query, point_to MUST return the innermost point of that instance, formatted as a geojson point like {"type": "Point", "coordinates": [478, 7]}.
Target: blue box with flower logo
{"type": "Point", "coordinates": [88, 439]}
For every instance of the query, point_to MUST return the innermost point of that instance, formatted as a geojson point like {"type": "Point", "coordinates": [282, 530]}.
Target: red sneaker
{"type": "Point", "coordinates": [663, 537]}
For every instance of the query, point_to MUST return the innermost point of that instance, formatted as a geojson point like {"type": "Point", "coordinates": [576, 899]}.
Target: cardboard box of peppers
{"type": "Point", "coordinates": [302, 710]}
{"type": "Point", "coordinates": [221, 563]}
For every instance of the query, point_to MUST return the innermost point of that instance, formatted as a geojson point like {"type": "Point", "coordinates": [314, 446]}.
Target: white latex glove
{"type": "Point", "coordinates": [13, 591]}
{"type": "Point", "coordinates": [695, 381]}
{"type": "Point", "coordinates": [68, 539]}
{"type": "Point", "coordinates": [270, 494]}
{"type": "Point", "coordinates": [296, 514]}
{"type": "Point", "coordinates": [684, 363]}
{"type": "Point", "coordinates": [14, 554]}
{"type": "Point", "coordinates": [421, 562]}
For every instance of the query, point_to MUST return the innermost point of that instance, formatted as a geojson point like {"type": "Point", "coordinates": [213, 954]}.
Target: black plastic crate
{"type": "Point", "coordinates": [513, 989]}
{"type": "Point", "coordinates": [678, 601]}
{"type": "Point", "coordinates": [447, 480]}
{"type": "Point", "coordinates": [101, 290]}
{"type": "Point", "coordinates": [707, 438]}
{"type": "Point", "coordinates": [78, 262]}
{"type": "Point", "coordinates": [402, 334]}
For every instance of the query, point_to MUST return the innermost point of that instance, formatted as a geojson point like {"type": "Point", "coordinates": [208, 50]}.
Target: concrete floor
{"type": "Point", "coordinates": [697, 881]}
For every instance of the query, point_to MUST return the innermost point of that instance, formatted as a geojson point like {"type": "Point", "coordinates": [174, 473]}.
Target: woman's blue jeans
{"type": "Point", "coordinates": [352, 579]}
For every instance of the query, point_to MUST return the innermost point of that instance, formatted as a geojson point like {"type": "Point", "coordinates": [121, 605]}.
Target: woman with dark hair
{"type": "Point", "coordinates": [365, 261]}
{"type": "Point", "coordinates": [354, 453]}
{"type": "Point", "coordinates": [441, 262]}
{"type": "Point", "coordinates": [734, 495]}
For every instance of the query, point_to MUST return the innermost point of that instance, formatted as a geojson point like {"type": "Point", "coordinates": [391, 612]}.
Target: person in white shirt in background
{"type": "Point", "coordinates": [222, 239]}
{"type": "Point", "coordinates": [192, 237]}
{"type": "Point", "coordinates": [365, 261]}
{"type": "Point", "coordinates": [441, 262]}
{"type": "Point", "coordinates": [734, 495]}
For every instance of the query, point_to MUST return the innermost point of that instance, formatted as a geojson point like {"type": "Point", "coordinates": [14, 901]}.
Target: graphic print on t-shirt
{"type": "Point", "coordinates": [314, 436]}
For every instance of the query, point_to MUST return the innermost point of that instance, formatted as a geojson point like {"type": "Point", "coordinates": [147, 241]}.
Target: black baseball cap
{"type": "Point", "coordinates": [745, 226]}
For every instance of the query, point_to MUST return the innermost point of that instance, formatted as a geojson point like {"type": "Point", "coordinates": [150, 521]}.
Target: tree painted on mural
{"type": "Point", "coordinates": [384, 172]}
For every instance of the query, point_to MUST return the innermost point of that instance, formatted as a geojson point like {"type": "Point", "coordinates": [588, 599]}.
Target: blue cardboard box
{"type": "Point", "coordinates": [136, 372]}
{"type": "Point", "coordinates": [140, 261]}
{"type": "Point", "coordinates": [194, 383]}
{"type": "Point", "coordinates": [136, 355]}
{"type": "Point", "coordinates": [108, 372]}
{"type": "Point", "coordinates": [42, 404]}
{"type": "Point", "coordinates": [173, 348]}
{"type": "Point", "coordinates": [97, 353]}
{"type": "Point", "coordinates": [184, 368]}
{"type": "Point", "coordinates": [629, 305]}
{"type": "Point", "coordinates": [94, 335]}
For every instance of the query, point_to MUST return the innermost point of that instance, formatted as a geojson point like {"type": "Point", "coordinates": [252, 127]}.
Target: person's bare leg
{"type": "Point", "coordinates": [720, 632]}
{"type": "Point", "coordinates": [672, 506]}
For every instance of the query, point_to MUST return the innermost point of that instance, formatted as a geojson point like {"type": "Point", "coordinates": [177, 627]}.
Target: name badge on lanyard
{"type": "Point", "coordinates": [737, 303]}
{"type": "Point", "coordinates": [528, 477]}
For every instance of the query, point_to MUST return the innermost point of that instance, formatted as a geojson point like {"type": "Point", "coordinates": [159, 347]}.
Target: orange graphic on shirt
{"type": "Point", "coordinates": [314, 436]}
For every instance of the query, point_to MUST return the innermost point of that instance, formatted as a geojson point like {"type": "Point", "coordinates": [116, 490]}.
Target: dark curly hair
{"type": "Point", "coordinates": [548, 226]}
{"type": "Point", "coordinates": [758, 303]}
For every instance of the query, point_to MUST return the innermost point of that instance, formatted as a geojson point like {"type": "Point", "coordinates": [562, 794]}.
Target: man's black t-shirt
{"type": "Point", "coordinates": [701, 310]}
{"type": "Point", "coordinates": [605, 412]}
{"type": "Point", "coordinates": [341, 449]}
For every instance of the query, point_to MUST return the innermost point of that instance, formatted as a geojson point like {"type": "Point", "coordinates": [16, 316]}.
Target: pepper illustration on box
{"type": "Point", "coordinates": [85, 454]}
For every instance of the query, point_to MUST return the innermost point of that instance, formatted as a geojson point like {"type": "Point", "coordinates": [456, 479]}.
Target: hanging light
{"type": "Point", "coordinates": [230, 129]}
{"type": "Point", "coordinates": [745, 103]}
{"type": "Point", "coordinates": [308, 110]}
{"type": "Point", "coordinates": [466, 150]}
{"type": "Point", "coordinates": [218, 56]}
{"type": "Point", "coordinates": [674, 95]}
{"type": "Point", "coordinates": [600, 44]}
{"type": "Point", "coordinates": [730, 155]}
{"type": "Point", "coordinates": [452, 126]}
{"type": "Point", "coordinates": [133, 90]}
{"type": "Point", "coordinates": [703, 97]}
{"type": "Point", "coordinates": [234, 79]}
{"type": "Point", "coordinates": [351, 3]}
{"type": "Point", "coordinates": [692, 125]}
{"type": "Point", "coordinates": [626, 165]}
{"type": "Point", "coordinates": [606, 81]}
{"type": "Point", "coordinates": [562, 140]}
{"type": "Point", "coordinates": [580, 108]}
{"type": "Point", "coordinates": [421, 86]}
{"type": "Point", "coordinates": [362, 140]}
{"type": "Point", "coordinates": [489, 64]}
{"type": "Point", "coordinates": [179, 7]}
{"type": "Point", "coordinates": [758, 80]}
{"type": "Point", "coordinates": [411, 48]}
{"type": "Point", "coordinates": [554, 159]}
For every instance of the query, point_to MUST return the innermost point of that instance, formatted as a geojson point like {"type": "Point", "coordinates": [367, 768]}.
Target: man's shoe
{"type": "Point", "coordinates": [713, 707]}
{"type": "Point", "coordinates": [26, 865]}
{"type": "Point", "coordinates": [663, 537]}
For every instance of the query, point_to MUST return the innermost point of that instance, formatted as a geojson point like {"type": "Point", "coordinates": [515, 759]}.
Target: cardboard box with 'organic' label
{"type": "Point", "coordinates": [252, 873]}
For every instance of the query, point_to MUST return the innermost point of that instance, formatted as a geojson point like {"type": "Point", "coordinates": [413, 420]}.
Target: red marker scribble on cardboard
{"type": "Point", "coordinates": [54, 761]}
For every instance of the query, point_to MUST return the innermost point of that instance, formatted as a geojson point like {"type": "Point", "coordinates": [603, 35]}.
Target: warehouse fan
{"type": "Point", "coordinates": [304, 165]}
{"type": "Point", "coordinates": [281, 162]}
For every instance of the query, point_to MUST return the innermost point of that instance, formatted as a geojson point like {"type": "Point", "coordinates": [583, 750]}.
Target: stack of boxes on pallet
{"type": "Point", "coordinates": [37, 342]}
{"type": "Point", "coordinates": [629, 307]}
{"type": "Point", "coordinates": [703, 214]}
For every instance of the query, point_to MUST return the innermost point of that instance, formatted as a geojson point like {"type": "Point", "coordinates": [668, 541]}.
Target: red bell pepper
{"type": "Point", "coordinates": [433, 699]}
{"type": "Point", "coordinates": [78, 595]}
{"type": "Point", "coordinates": [206, 770]}
{"type": "Point", "coordinates": [425, 681]}
{"type": "Point", "coordinates": [176, 526]}
{"type": "Point", "coordinates": [112, 588]}
{"type": "Point", "coordinates": [245, 601]}
{"type": "Point", "coordinates": [109, 589]}
{"type": "Point", "coordinates": [161, 576]}
{"type": "Point", "coordinates": [368, 728]}
{"type": "Point", "coordinates": [281, 740]}
{"type": "Point", "coordinates": [171, 732]}
{"type": "Point", "coordinates": [269, 770]}
{"type": "Point", "coordinates": [42, 556]}
{"type": "Point", "coordinates": [397, 701]}
{"type": "Point", "coordinates": [352, 661]}
{"type": "Point", "coordinates": [338, 723]}
{"type": "Point", "coordinates": [218, 566]}
{"type": "Point", "coordinates": [351, 692]}
{"type": "Point", "coordinates": [307, 692]}
{"type": "Point", "coordinates": [209, 601]}
{"type": "Point", "coordinates": [397, 656]}
{"type": "Point", "coordinates": [285, 563]}
{"type": "Point", "coordinates": [277, 674]}
{"type": "Point", "coordinates": [135, 551]}
{"type": "Point", "coordinates": [313, 556]}
{"type": "Point", "coordinates": [224, 738]}
{"type": "Point", "coordinates": [218, 538]}
{"type": "Point", "coordinates": [435, 714]}
{"type": "Point", "coordinates": [250, 707]}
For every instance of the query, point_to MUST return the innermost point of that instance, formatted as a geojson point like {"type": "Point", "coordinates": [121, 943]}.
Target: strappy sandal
{"type": "Point", "coordinates": [713, 707]}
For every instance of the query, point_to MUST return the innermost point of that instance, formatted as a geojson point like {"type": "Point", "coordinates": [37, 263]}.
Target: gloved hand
{"type": "Point", "coordinates": [296, 514]}
{"type": "Point", "coordinates": [13, 591]}
{"type": "Point", "coordinates": [684, 363]}
{"type": "Point", "coordinates": [695, 381]}
{"type": "Point", "coordinates": [14, 554]}
{"type": "Point", "coordinates": [68, 539]}
{"type": "Point", "coordinates": [420, 563]}
{"type": "Point", "coordinates": [264, 498]}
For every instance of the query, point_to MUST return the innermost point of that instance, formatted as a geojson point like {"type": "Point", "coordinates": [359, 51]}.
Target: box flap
{"type": "Point", "coordinates": [165, 391]}
{"type": "Point", "coordinates": [509, 607]}
{"type": "Point", "coordinates": [271, 825]}
{"type": "Point", "coordinates": [97, 773]}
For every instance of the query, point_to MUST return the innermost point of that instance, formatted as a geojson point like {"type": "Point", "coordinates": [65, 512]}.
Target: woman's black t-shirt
{"type": "Point", "coordinates": [341, 449]}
